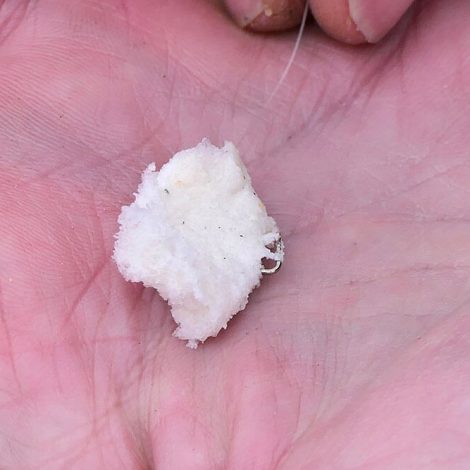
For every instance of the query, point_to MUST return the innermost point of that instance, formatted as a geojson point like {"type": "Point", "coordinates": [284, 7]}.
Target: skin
{"type": "Point", "coordinates": [354, 355]}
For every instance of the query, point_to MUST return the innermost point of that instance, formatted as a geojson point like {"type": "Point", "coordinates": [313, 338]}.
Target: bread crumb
{"type": "Point", "coordinates": [197, 232]}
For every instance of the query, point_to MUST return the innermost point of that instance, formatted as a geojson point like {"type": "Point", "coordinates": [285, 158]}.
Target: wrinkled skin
{"type": "Point", "coordinates": [355, 355]}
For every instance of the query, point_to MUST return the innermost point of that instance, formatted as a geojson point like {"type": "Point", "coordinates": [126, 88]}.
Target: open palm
{"type": "Point", "coordinates": [354, 355]}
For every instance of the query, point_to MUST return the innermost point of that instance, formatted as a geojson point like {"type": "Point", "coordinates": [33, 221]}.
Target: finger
{"type": "Point", "coordinates": [358, 21]}
{"type": "Point", "coordinates": [266, 15]}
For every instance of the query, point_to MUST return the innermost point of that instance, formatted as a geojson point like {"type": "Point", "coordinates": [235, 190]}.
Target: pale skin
{"type": "Point", "coordinates": [354, 355]}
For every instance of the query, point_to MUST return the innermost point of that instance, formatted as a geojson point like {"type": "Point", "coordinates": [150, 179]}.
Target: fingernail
{"type": "Point", "coordinates": [245, 11]}
{"type": "Point", "coordinates": [375, 18]}
{"type": "Point", "coordinates": [266, 15]}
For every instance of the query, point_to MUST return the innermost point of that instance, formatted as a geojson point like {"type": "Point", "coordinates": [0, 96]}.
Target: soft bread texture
{"type": "Point", "coordinates": [197, 232]}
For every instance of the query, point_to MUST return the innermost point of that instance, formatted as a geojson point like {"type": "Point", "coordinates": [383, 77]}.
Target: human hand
{"type": "Point", "coordinates": [353, 355]}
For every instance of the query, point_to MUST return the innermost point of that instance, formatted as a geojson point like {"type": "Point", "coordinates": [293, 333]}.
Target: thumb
{"type": "Point", "coordinates": [356, 21]}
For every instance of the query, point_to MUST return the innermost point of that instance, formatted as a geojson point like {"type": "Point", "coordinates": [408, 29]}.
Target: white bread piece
{"type": "Point", "coordinates": [197, 233]}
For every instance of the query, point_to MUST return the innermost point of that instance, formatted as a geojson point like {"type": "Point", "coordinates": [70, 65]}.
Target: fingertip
{"type": "Point", "coordinates": [358, 21]}
{"type": "Point", "coordinates": [334, 18]}
{"type": "Point", "coordinates": [375, 18]}
{"type": "Point", "coordinates": [266, 15]}
{"type": "Point", "coordinates": [244, 12]}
